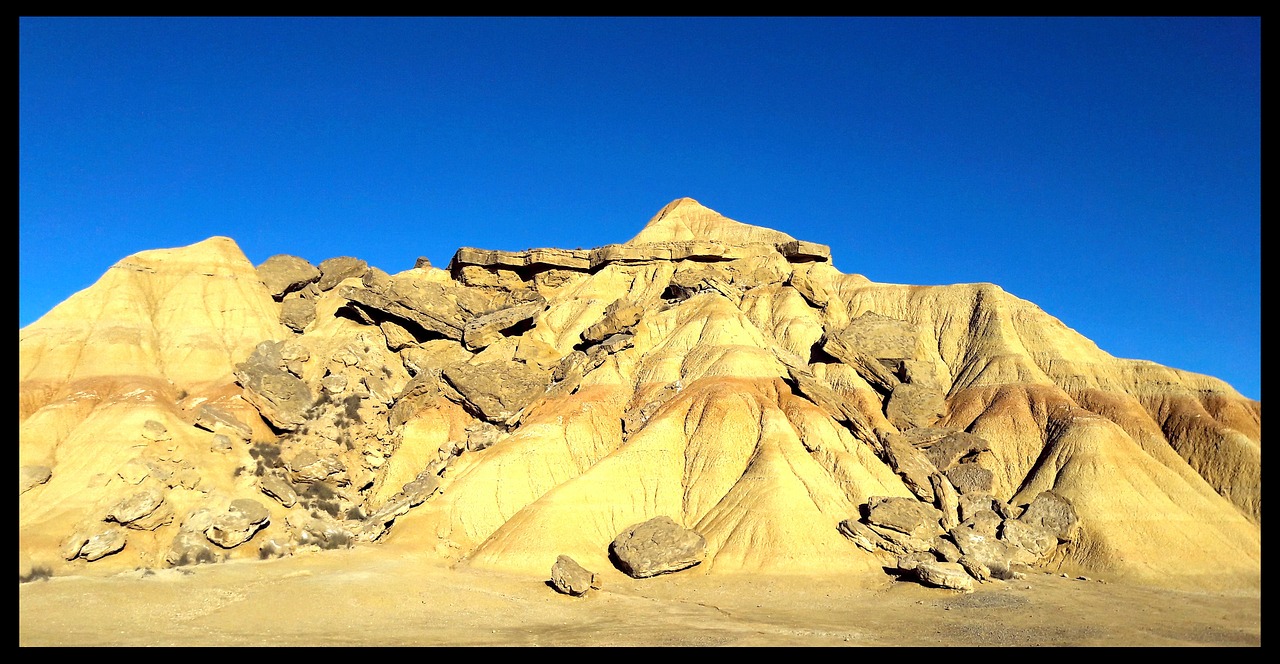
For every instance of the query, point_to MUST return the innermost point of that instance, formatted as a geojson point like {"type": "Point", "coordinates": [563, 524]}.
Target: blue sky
{"type": "Point", "coordinates": [1108, 170]}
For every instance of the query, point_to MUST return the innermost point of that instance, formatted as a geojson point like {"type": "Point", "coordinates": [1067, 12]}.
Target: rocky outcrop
{"type": "Point", "coordinates": [522, 406]}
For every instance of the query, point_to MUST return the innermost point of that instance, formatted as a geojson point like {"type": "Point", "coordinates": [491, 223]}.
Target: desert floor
{"type": "Point", "coordinates": [365, 597]}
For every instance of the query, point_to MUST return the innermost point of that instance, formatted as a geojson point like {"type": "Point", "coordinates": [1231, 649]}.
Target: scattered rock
{"type": "Point", "coordinates": [334, 270]}
{"type": "Point", "coordinates": [945, 575]}
{"type": "Point", "coordinates": [297, 313]}
{"type": "Point", "coordinates": [238, 524]}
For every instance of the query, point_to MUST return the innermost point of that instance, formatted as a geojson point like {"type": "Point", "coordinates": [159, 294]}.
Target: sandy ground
{"type": "Point", "coordinates": [365, 597]}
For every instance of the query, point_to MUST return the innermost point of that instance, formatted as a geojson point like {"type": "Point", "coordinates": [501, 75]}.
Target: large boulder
{"type": "Point", "coordinates": [297, 313]}
{"type": "Point", "coordinates": [498, 389]}
{"type": "Point", "coordinates": [956, 446]}
{"type": "Point", "coordinates": [284, 274]}
{"type": "Point", "coordinates": [657, 546]}
{"type": "Point", "coordinates": [905, 515]}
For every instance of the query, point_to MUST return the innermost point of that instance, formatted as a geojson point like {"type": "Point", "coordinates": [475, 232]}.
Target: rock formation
{"type": "Point", "coordinates": [524, 408]}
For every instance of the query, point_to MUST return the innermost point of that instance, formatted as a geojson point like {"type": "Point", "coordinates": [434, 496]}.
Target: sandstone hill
{"type": "Point", "coordinates": [518, 407]}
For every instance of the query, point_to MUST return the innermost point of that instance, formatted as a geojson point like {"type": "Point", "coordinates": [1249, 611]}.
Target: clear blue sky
{"type": "Point", "coordinates": [1108, 170]}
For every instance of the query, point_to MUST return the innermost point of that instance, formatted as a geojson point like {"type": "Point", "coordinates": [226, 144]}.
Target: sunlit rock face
{"type": "Point", "coordinates": [518, 407]}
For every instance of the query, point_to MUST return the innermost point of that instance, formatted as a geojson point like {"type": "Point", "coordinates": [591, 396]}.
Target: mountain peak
{"type": "Point", "coordinates": [686, 219]}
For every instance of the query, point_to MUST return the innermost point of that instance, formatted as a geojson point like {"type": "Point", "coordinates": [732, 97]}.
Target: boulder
{"type": "Point", "coordinates": [910, 561]}
{"type": "Point", "coordinates": [912, 466]}
{"type": "Point", "coordinates": [282, 398]}
{"type": "Point", "coordinates": [238, 524]}
{"type": "Point", "coordinates": [297, 313]}
{"type": "Point", "coordinates": [334, 270]}
{"type": "Point", "coordinates": [142, 510]}
{"type": "Point", "coordinates": [619, 316]}
{"type": "Point", "coordinates": [283, 274]}
{"type": "Point", "coordinates": [945, 549]}
{"type": "Point", "coordinates": [945, 575]}
{"type": "Point", "coordinates": [106, 540]}
{"type": "Point", "coordinates": [1053, 513]}
{"type": "Point", "coordinates": [280, 489]}
{"type": "Point", "coordinates": [485, 329]}
{"type": "Point", "coordinates": [975, 568]}
{"type": "Point", "coordinates": [497, 390]}
{"type": "Point", "coordinates": [905, 515]}
{"type": "Point", "coordinates": [191, 547]}
{"type": "Point", "coordinates": [970, 478]}
{"type": "Point", "coordinates": [913, 405]}
{"type": "Point", "coordinates": [215, 418]}
{"type": "Point", "coordinates": [950, 450]}
{"type": "Point", "coordinates": [1037, 540]}
{"type": "Point", "coordinates": [570, 578]}
{"type": "Point", "coordinates": [657, 546]}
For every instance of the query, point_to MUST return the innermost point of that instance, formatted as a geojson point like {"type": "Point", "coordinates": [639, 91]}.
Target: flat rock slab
{"type": "Point", "coordinates": [657, 546]}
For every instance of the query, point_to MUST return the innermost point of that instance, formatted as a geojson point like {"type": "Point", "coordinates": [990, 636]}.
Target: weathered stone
{"type": "Point", "coordinates": [844, 348]}
{"type": "Point", "coordinates": [983, 548]}
{"type": "Point", "coordinates": [985, 522]}
{"type": "Point", "coordinates": [945, 575]}
{"type": "Point", "coordinates": [190, 547]}
{"type": "Point", "coordinates": [866, 538]}
{"type": "Point", "coordinates": [911, 465]}
{"type": "Point", "coordinates": [142, 510]}
{"type": "Point", "coordinates": [420, 488]}
{"type": "Point", "coordinates": [829, 400]}
{"type": "Point", "coordinates": [911, 405]}
{"type": "Point", "coordinates": [282, 398]}
{"type": "Point", "coordinates": [238, 524]}
{"type": "Point", "coordinates": [946, 499]}
{"type": "Point", "coordinates": [108, 539]}
{"type": "Point", "coordinates": [910, 561]}
{"type": "Point", "coordinates": [619, 316]}
{"type": "Point", "coordinates": [975, 568]}
{"type": "Point", "coordinates": [497, 390]}
{"type": "Point", "coordinates": [1053, 512]}
{"type": "Point", "coordinates": [280, 489]}
{"type": "Point", "coordinates": [810, 289]}
{"type": "Point", "coordinates": [902, 542]}
{"type": "Point", "coordinates": [570, 578]}
{"type": "Point", "coordinates": [970, 478]}
{"type": "Point", "coordinates": [950, 450]}
{"type": "Point", "coordinates": [217, 419]}
{"type": "Point", "coordinates": [307, 467]}
{"type": "Point", "coordinates": [334, 384]}
{"type": "Point", "coordinates": [283, 274]}
{"type": "Point", "coordinates": [657, 546]}
{"type": "Point", "coordinates": [297, 313]}
{"type": "Point", "coordinates": [945, 549]}
{"type": "Point", "coordinates": [134, 471]}
{"type": "Point", "coordinates": [154, 430]}
{"type": "Point", "coordinates": [484, 330]}
{"type": "Point", "coordinates": [30, 477]}
{"type": "Point", "coordinates": [571, 259]}
{"type": "Point", "coordinates": [426, 304]}
{"type": "Point", "coordinates": [905, 515]}
{"type": "Point", "coordinates": [881, 337]}
{"type": "Point", "coordinates": [220, 443]}
{"type": "Point", "coordinates": [1037, 540]}
{"type": "Point", "coordinates": [334, 270]}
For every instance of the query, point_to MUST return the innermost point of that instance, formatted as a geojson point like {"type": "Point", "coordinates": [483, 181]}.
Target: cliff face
{"type": "Point", "coordinates": [522, 405]}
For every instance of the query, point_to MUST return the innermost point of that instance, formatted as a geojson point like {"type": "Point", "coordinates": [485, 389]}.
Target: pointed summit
{"type": "Point", "coordinates": [685, 219]}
